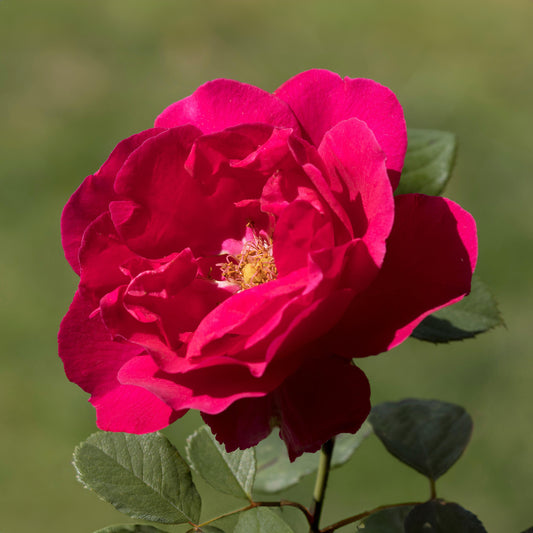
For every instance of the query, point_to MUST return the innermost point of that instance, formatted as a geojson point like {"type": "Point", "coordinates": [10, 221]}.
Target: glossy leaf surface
{"type": "Point", "coordinates": [428, 435]}
{"type": "Point", "coordinates": [428, 162]}
{"type": "Point", "coordinates": [385, 521]}
{"type": "Point", "coordinates": [438, 516]}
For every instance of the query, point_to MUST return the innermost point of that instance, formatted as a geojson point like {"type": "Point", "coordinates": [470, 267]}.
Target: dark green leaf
{"type": "Point", "coordinates": [275, 472]}
{"type": "Point", "coordinates": [141, 475]}
{"type": "Point", "coordinates": [385, 521]}
{"type": "Point", "coordinates": [438, 516]}
{"type": "Point", "coordinates": [130, 528]}
{"type": "Point", "coordinates": [428, 163]}
{"type": "Point", "coordinates": [230, 473]}
{"type": "Point", "coordinates": [261, 520]}
{"type": "Point", "coordinates": [528, 530]}
{"type": "Point", "coordinates": [474, 314]}
{"type": "Point", "coordinates": [206, 529]}
{"type": "Point", "coordinates": [428, 435]}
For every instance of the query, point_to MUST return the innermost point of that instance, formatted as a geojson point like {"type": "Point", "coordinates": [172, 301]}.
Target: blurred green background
{"type": "Point", "coordinates": [77, 77]}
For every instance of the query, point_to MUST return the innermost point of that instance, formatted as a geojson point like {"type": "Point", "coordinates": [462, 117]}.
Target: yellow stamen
{"type": "Point", "coordinates": [253, 266]}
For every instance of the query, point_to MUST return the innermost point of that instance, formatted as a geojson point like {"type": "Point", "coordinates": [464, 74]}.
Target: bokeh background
{"type": "Point", "coordinates": [77, 77]}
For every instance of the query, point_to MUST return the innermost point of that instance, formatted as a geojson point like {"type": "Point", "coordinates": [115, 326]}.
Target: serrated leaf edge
{"type": "Point", "coordinates": [251, 473]}
{"type": "Point", "coordinates": [79, 477]}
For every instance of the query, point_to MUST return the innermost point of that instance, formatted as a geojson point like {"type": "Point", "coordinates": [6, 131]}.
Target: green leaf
{"type": "Point", "coordinates": [427, 435]}
{"type": "Point", "coordinates": [141, 475]}
{"type": "Point", "coordinates": [130, 528]}
{"type": "Point", "coordinates": [261, 520]}
{"type": "Point", "coordinates": [476, 313]}
{"type": "Point", "coordinates": [385, 521]}
{"type": "Point", "coordinates": [428, 162]}
{"type": "Point", "coordinates": [275, 472]}
{"type": "Point", "coordinates": [206, 529]}
{"type": "Point", "coordinates": [438, 516]}
{"type": "Point", "coordinates": [230, 473]}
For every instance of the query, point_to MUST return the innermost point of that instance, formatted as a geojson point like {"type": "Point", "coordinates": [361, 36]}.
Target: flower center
{"type": "Point", "coordinates": [253, 266]}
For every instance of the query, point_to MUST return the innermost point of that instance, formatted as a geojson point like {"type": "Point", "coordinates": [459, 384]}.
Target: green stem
{"type": "Point", "coordinates": [432, 489]}
{"type": "Point", "coordinates": [282, 503]}
{"type": "Point", "coordinates": [320, 484]}
{"type": "Point", "coordinates": [360, 516]}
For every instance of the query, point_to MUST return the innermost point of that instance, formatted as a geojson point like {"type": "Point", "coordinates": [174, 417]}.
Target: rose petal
{"type": "Point", "coordinates": [320, 99]}
{"type": "Point", "coordinates": [431, 254]}
{"type": "Point", "coordinates": [169, 209]}
{"type": "Point", "coordinates": [300, 230]}
{"type": "Point", "coordinates": [90, 355]}
{"type": "Point", "coordinates": [323, 398]}
{"type": "Point", "coordinates": [102, 254]}
{"type": "Point", "coordinates": [210, 389]}
{"type": "Point", "coordinates": [93, 196]}
{"type": "Point", "coordinates": [221, 104]}
{"type": "Point", "coordinates": [358, 178]}
{"type": "Point", "coordinates": [311, 163]}
{"type": "Point", "coordinates": [247, 315]}
{"type": "Point", "coordinates": [244, 423]}
{"type": "Point", "coordinates": [329, 390]}
{"type": "Point", "coordinates": [133, 410]}
{"type": "Point", "coordinates": [93, 360]}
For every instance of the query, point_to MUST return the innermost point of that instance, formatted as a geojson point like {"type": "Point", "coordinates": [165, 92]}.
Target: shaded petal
{"type": "Point", "coordinates": [102, 254]}
{"type": "Point", "coordinates": [273, 321]}
{"type": "Point", "coordinates": [431, 254]}
{"type": "Point", "coordinates": [300, 230]}
{"type": "Point", "coordinates": [209, 389]}
{"type": "Point", "coordinates": [90, 355]}
{"type": "Point", "coordinates": [124, 325]}
{"type": "Point", "coordinates": [169, 209]}
{"type": "Point", "coordinates": [324, 397]}
{"type": "Point", "coordinates": [311, 163]}
{"type": "Point", "coordinates": [161, 307]}
{"type": "Point", "coordinates": [93, 360]}
{"type": "Point", "coordinates": [221, 104]}
{"type": "Point", "coordinates": [320, 99]}
{"type": "Point", "coordinates": [358, 178]}
{"type": "Point", "coordinates": [244, 423]}
{"type": "Point", "coordinates": [246, 317]}
{"type": "Point", "coordinates": [93, 196]}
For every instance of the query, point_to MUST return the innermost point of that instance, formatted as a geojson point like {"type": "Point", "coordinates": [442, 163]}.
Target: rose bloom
{"type": "Point", "coordinates": [235, 258]}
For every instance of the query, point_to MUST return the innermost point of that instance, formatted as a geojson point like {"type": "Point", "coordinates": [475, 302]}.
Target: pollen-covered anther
{"type": "Point", "coordinates": [253, 266]}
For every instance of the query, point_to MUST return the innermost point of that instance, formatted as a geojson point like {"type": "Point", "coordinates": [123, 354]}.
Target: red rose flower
{"type": "Point", "coordinates": [236, 257]}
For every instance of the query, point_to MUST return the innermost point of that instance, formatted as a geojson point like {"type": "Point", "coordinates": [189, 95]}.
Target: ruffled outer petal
{"type": "Point", "coordinates": [320, 99]}
{"type": "Point", "coordinates": [431, 254]}
{"type": "Point", "coordinates": [93, 196]}
{"type": "Point", "coordinates": [102, 254]}
{"type": "Point", "coordinates": [358, 178]}
{"type": "Point", "coordinates": [324, 397]}
{"type": "Point", "coordinates": [93, 360]}
{"type": "Point", "coordinates": [221, 104]}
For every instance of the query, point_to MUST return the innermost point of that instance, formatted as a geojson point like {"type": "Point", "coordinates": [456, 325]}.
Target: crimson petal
{"type": "Point", "coordinates": [93, 196]}
{"type": "Point", "coordinates": [320, 99]}
{"type": "Point", "coordinates": [221, 104]}
{"type": "Point", "coordinates": [323, 398]}
{"type": "Point", "coordinates": [431, 254]}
